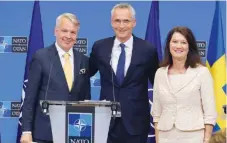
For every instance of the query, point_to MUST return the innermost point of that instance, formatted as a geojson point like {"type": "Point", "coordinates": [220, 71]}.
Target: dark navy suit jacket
{"type": "Point", "coordinates": [33, 118]}
{"type": "Point", "coordinates": [133, 93]}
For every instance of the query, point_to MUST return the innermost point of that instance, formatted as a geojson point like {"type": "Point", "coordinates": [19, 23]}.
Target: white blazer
{"type": "Point", "coordinates": [188, 107]}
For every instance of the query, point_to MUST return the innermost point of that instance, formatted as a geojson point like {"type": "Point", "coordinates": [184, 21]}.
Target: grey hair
{"type": "Point", "coordinates": [124, 6]}
{"type": "Point", "coordinates": [70, 17]}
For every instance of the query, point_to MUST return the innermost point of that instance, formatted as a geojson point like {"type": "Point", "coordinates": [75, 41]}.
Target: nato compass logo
{"type": "Point", "coordinates": [9, 44]}
{"type": "Point", "coordinates": [80, 125]}
{"type": "Point", "coordinates": [9, 109]}
{"type": "Point", "coordinates": [5, 44]}
{"type": "Point", "coordinates": [3, 110]}
{"type": "Point", "coordinates": [79, 128]}
{"type": "Point", "coordinates": [95, 81]}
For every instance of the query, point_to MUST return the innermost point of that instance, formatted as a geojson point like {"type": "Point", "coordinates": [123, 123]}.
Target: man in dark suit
{"type": "Point", "coordinates": [125, 63]}
{"type": "Point", "coordinates": [57, 72]}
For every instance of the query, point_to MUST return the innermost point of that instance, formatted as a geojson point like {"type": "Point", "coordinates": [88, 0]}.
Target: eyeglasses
{"type": "Point", "coordinates": [124, 22]}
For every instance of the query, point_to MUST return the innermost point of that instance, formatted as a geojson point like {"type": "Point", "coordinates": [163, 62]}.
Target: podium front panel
{"type": "Point", "coordinates": [102, 122]}
{"type": "Point", "coordinates": [57, 117]}
{"type": "Point", "coordinates": [80, 124]}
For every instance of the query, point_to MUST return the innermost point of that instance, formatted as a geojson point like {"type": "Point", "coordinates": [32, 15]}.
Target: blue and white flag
{"type": "Point", "coordinates": [35, 43]}
{"type": "Point", "coordinates": [153, 36]}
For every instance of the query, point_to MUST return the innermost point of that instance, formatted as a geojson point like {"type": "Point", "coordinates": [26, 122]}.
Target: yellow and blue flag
{"type": "Point", "coordinates": [216, 62]}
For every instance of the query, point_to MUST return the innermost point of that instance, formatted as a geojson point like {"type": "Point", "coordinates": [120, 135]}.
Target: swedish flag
{"type": "Point", "coordinates": [216, 62]}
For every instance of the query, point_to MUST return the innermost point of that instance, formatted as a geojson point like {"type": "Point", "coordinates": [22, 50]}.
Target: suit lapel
{"type": "Point", "coordinates": [108, 51]}
{"type": "Point", "coordinates": [134, 58]}
{"type": "Point", "coordinates": [190, 74]}
{"type": "Point", "coordinates": [57, 70]}
{"type": "Point", "coordinates": [167, 80]}
{"type": "Point", "coordinates": [77, 62]}
{"type": "Point", "coordinates": [107, 57]}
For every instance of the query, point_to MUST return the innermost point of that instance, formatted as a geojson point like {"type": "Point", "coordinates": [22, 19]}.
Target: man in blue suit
{"type": "Point", "coordinates": [125, 63]}
{"type": "Point", "coordinates": [57, 72]}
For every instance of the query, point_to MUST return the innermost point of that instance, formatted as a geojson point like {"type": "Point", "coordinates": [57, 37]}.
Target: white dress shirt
{"type": "Point", "coordinates": [61, 53]}
{"type": "Point", "coordinates": [116, 51]}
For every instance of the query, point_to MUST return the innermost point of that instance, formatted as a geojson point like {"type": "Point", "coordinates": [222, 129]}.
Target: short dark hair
{"type": "Point", "coordinates": [193, 57]}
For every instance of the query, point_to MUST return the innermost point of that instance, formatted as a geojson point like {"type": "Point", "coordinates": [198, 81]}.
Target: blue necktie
{"type": "Point", "coordinates": [121, 65]}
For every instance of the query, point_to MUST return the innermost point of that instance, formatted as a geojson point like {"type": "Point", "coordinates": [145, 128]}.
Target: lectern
{"type": "Point", "coordinates": [80, 121]}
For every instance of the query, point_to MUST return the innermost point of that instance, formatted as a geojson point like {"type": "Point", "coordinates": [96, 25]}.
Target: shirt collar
{"type": "Point", "coordinates": [61, 52]}
{"type": "Point", "coordinates": [128, 44]}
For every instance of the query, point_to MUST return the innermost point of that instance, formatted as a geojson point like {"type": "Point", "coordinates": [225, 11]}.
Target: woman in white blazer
{"type": "Point", "coordinates": [183, 107]}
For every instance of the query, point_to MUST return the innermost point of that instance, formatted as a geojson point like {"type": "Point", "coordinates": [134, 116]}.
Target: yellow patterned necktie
{"type": "Point", "coordinates": [68, 70]}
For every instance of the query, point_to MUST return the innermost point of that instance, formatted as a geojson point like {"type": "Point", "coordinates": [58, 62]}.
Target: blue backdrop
{"type": "Point", "coordinates": [95, 24]}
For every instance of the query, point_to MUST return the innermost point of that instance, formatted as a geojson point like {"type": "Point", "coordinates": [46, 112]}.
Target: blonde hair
{"type": "Point", "coordinates": [219, 136]}
{"type": "Point", "coordinates": [70, 17]}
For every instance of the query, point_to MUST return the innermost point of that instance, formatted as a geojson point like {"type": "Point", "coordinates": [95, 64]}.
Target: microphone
{"type": "Point", "coordinates": [45, 103]}
{"type": "Point", "coordinates": [114, 106]}
{"type": "Point", "coordinates": [45, 106]}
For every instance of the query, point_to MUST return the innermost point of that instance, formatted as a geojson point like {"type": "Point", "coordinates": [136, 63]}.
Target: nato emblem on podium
{"type": "Point", "coordinates": [79, 127]}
